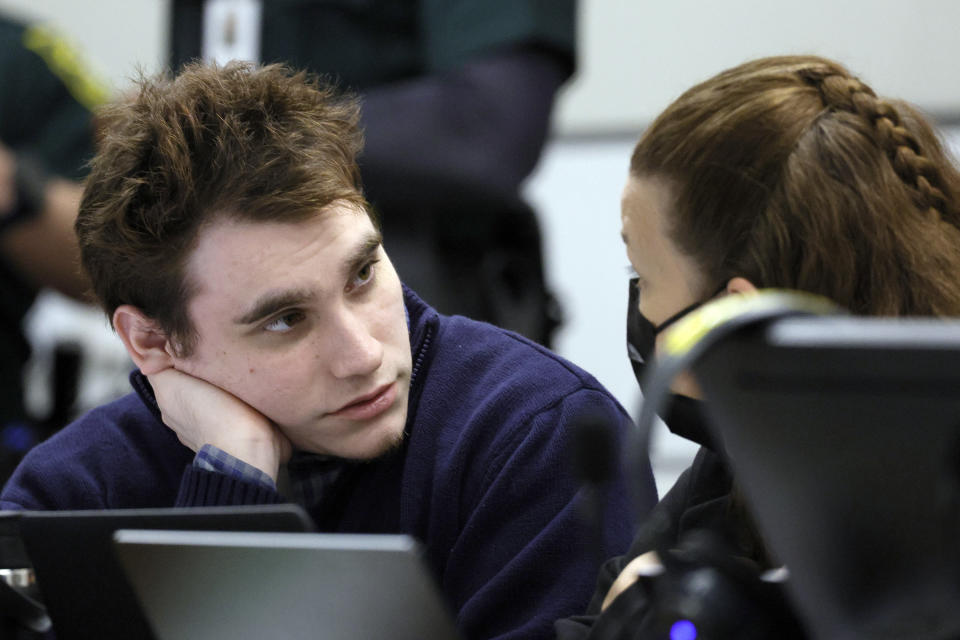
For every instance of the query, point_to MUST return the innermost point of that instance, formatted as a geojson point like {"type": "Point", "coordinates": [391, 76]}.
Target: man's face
{"type": "Point", "coordinates": [304, 322]}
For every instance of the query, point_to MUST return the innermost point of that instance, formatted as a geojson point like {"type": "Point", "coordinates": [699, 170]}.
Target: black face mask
{"type": "Point", "coordinates": [684, 415]}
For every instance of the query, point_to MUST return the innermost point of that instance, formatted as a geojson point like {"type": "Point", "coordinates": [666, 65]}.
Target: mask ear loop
{"type": "Point", "coordinates": [679, 315]}
{"type": "Point", "coordinates": [688, 340]}
{"type": "Point", "coordinates": [640, 331]}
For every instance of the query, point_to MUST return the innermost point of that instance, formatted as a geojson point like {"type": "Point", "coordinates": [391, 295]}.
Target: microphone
{"type": "Point", "coordinates": [594, 454]}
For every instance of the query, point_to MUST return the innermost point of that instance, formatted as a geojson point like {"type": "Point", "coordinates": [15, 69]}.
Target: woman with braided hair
{"type": "Point", "coordinates": [783, 172]}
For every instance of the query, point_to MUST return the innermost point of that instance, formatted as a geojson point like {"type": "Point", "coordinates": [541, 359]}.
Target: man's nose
{"type": "Point", "coordinates": [353, 350]}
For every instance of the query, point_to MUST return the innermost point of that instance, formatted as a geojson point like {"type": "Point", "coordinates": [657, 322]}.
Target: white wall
{"type": "Point", "coordinates": [637, 55]}
{"type": "Point", "coordinates": [116, 36]}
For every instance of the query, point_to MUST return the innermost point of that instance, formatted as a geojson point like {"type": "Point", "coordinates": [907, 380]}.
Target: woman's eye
{"type": "Point", "coordinates": [284, 323]}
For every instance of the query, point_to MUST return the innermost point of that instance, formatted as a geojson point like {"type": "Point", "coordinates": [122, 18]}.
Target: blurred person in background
{"type": "Point", "coordinates": [46, 136]}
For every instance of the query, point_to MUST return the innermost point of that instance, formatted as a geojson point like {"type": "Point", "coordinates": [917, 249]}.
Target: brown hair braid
{"type": "Point", "coordinates": [904, 150]}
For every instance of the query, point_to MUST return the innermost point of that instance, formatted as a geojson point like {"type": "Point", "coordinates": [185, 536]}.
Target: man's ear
{"type": "Point", "coordinates": [740, 284]}
{"type": "Point", "coordinates": [146, 343]}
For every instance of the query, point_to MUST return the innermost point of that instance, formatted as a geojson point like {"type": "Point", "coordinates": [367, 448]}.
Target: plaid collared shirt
{"type": "Point", "coordinates": [310, 475]}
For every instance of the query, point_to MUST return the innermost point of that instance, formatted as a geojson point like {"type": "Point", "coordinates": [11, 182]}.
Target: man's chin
{"type": "Point", "coordinates": [392, 442]}
{"type": "Point", "coordinates": [368, 447]}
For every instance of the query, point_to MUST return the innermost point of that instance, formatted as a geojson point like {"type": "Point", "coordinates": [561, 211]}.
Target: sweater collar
{"type": "Point", "coordinates": [422, 322]}
{"type": "Point", "coordinates": [142, 386]}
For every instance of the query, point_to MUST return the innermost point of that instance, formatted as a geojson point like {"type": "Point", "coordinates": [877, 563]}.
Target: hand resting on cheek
{"type": "Point", "coordinates": [201, 413]}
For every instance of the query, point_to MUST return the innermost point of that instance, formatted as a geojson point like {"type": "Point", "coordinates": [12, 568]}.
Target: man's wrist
{"type": "Point", "coordinates": [212, 458]}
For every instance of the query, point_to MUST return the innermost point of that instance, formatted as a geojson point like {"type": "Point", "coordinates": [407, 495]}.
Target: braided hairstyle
{"type": "Point", "coordinates": [791, 172]}
{"type": "Point", "coordinates": [923, 175]}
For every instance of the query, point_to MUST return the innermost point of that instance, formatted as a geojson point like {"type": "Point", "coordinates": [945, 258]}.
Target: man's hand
{"type": "Point", "coordinates": [201, 413]}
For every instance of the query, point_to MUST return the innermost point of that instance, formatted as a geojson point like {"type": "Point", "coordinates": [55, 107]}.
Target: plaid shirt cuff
{"type": "Point", "coordinates": [211, 458]}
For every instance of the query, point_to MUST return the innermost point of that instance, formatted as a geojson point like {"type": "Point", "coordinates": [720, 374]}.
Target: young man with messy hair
{"type": "Point", "coordinates": [280, 359]}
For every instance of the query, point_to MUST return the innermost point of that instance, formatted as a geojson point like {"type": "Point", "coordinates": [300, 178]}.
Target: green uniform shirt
{"type": "Point", "coordinates": [366, 43]}
{"type": "Point", "coordinates": [46, 99]}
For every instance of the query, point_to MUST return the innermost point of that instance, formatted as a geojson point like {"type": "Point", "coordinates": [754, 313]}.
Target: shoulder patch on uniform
{"type": "Point", "coordinates": [67, 64]}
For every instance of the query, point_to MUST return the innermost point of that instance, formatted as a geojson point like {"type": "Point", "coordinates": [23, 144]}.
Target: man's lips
{"type": "Point", "coordinates": [369, 405]}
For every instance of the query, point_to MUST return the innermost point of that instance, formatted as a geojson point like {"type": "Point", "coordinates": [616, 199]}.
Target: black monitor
{"type": "Point", "coordinates": [844, 435]}
{"type": "Point", "coordinates": [84, 588]}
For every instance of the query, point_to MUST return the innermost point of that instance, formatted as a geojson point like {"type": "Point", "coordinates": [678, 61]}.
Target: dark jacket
{"type": "Point", "coordinates": [712, 556]}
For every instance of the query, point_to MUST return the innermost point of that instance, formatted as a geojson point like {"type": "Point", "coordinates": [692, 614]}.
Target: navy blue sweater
{"type": "Point", "coordinates": [483, 478]}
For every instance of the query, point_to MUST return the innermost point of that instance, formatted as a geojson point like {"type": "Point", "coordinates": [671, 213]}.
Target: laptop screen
{"type": "Point", "coordinates": [231, 586]}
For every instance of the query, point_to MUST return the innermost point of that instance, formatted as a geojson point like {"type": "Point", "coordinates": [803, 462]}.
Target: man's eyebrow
{"type": "Point", "coordinates": [363, 253]}
{"type": "Point", "coordinates": [273, 302]}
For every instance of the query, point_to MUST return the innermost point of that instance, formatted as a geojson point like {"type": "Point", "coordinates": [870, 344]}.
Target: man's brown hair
{"type": "Point", "coordinates": [251, 143]}
{"type": "Point", "coordinates": [792, 173]}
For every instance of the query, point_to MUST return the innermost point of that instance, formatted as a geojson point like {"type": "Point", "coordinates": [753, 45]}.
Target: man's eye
{"type": "Point", "coordinates": [284, 323]}
{"type": "Point", "coordinates": [364, 275]}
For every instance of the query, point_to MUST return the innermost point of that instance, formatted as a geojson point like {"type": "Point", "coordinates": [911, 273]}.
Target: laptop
{"type": "Point", "coordinates": [84, 589]}
{"type": "Point", "coordinates": [844, 434]}
{"type": "Point", "coordinates": [237, 586]}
